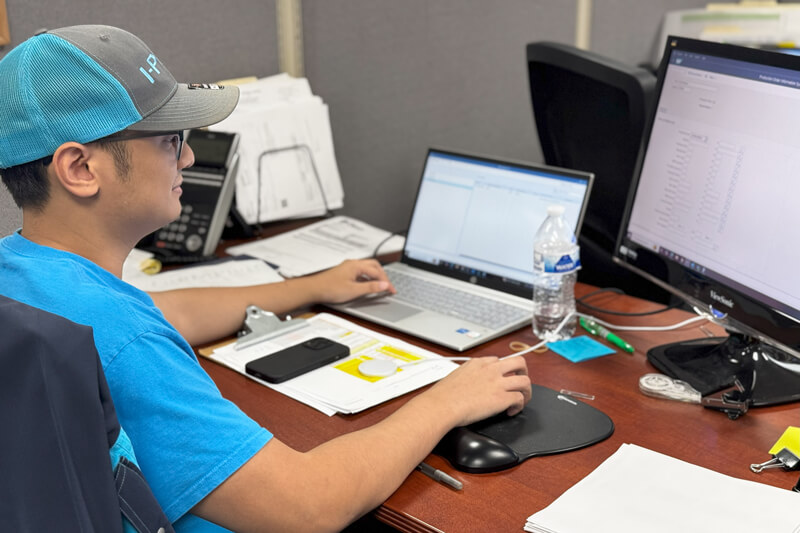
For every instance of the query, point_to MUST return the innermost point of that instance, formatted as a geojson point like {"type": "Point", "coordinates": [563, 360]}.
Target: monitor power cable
{"type": "Point", "coordinates": [582, 301]}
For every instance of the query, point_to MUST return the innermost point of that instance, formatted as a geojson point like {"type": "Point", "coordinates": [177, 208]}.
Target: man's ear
{"type": "Point", "coordinates": [71, 164]}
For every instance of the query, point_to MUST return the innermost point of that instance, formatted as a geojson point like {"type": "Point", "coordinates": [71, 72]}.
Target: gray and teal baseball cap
{"type": "Point", "coordinates": [82, 83]}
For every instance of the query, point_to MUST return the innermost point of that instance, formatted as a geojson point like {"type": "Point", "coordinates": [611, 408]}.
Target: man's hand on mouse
{"type": "Point", "coordinates": [485, 386]}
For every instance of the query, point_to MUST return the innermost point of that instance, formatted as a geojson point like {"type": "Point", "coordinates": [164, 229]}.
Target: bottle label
{"type": "Point", "coordinates": [554, 264]}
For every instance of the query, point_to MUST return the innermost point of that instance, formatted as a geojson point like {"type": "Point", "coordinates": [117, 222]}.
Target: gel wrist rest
{"type": "Point", "coordinates": [551, 423]}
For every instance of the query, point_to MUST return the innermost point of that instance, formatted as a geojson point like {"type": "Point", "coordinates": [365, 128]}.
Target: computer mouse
{"type": "Point", "coordinates": [473, 452]}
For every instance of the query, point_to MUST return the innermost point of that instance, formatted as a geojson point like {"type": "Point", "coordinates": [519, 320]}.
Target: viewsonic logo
{"type": "Point", "coordinates": [721, 299]}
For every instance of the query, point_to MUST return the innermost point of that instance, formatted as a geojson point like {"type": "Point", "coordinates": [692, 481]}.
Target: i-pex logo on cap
{"type": "Point", "coordinates": [152, 61]}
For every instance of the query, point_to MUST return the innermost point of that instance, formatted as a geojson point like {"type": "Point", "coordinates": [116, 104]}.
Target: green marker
{"type": "Point", "coordinates": [596, 329]}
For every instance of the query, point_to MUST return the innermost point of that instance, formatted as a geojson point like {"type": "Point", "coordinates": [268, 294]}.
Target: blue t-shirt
{"type": "Point", "coordinates": [187, 438]}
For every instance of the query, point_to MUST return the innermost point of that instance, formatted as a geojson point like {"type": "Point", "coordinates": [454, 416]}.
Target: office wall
{"type": "Point", "coordinates": [398, 75]}
{"type": "Point", "coordinates": [627, 30]}
{"type": "Point", "coordinates": [402, 76]}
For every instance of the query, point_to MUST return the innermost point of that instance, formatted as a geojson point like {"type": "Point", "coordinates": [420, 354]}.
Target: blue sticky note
{"type": "Point", "coordinates": [579, 349]}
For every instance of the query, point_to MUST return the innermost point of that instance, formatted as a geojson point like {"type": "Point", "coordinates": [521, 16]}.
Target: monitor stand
{"type": "Point", "coordinates": [766, 374]}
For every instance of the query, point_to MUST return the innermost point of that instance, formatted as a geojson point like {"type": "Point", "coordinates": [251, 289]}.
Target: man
{"type": "Point", "coordinates": [91, 149]}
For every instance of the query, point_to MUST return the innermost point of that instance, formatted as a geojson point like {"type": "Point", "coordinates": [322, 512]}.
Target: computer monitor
{"type": "Point", "coordinates": [713, 213]}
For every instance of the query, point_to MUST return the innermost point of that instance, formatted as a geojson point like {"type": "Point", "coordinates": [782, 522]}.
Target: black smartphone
{"type": "Point", "coordinates": [297, 360]}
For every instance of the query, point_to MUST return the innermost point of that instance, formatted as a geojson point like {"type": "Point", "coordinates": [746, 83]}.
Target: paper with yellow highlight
{"type": "Point", "coordinates": [340, 387]}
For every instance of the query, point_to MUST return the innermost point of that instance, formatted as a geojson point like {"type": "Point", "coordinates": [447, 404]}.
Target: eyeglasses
{"type": "Point", "coordinates": [127, 135]}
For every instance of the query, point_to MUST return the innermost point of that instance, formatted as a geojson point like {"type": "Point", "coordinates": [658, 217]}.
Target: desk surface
{"type": "Point", "coordinates": [502, 501]}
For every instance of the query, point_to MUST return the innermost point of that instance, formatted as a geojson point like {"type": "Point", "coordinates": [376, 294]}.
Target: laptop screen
{"type": "Point", "coordinates": [475, 218]}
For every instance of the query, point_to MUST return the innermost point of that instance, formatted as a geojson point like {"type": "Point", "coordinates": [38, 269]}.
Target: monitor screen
{"type": "Point", "coordinates": [713, 210]}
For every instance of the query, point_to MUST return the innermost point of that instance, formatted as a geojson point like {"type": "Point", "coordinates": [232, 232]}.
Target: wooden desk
{"type": "Point", "coordinates": [502, 501]}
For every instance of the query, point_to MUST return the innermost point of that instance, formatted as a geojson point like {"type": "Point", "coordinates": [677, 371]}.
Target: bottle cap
{"type": "Point", "coordinates": [555, 210]}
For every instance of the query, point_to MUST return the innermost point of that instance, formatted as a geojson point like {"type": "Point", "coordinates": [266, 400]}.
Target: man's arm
{"type": "Point", "coordinates": [324, 489]}
{"type": "Point", "coordinates": [209, 314]}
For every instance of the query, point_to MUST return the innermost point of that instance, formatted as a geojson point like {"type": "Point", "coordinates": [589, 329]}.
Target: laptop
{"type": "Point", "coordinates": [466, 271]}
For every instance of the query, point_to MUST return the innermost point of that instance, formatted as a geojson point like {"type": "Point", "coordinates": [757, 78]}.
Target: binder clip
{"type": "Point", "coordinates": [785, 453]}
{"type": "Point", "coordinates": [260, 325]}
{"type": "Point", "coordinates": [785, 459]}
{"type": "Point", "coordinates": [733, 401]}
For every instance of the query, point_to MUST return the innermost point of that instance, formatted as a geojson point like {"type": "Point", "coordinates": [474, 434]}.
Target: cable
{"type": "Point", "coordinates": [646, 328]}
{"type": "Point", "coordinates": [601, 291]}
{"type": "Point", "coordinates": [542, 343]}
{"type": "Point", "coordinates": [384, 241]}
{"type": "Point", "coordinates": [618, 313]}
{"type": "Point", "coordinates": [611, 326]}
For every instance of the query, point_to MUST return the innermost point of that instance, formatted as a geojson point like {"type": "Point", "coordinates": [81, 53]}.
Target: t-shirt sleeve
{"type": "Point", "coordinates": [187, 438]}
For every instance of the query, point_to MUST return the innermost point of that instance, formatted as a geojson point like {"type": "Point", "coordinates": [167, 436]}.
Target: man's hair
{"type": "Point", "coordinates": [28, 183]}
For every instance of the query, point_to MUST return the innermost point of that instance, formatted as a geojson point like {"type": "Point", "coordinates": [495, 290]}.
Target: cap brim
{"type": "Point", "coordinates": [191, 107]}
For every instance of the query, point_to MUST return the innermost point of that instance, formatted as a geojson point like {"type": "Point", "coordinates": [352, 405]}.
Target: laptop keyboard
{"type": "Point", "coordinates": [454, 302]}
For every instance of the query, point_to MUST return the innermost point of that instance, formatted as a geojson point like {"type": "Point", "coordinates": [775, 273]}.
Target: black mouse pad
{"type": "Point", "coordinates": [551, 423]}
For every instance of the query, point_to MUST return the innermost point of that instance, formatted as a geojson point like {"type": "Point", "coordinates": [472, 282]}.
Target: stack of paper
{"type": "Point", "coordinates": [285, 139]}
{"type": "Point", "coordinates": [340, 387]}
{"type": "Point", "coordinates": [638, 490]}
{"type": "Point", "coordinates": [230, 273]}
{"type": "Point", "coordinates": [320, 246]}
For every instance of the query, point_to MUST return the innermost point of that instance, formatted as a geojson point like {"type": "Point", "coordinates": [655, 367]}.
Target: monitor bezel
{"type": "Point", "coordinates": [748, 315]}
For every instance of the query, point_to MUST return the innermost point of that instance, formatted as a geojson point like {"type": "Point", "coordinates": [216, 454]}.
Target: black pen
{"type": "Point", "coordinates": [439, 476]}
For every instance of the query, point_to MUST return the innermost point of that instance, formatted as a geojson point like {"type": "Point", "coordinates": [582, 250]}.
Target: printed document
{"type": "Point", "coordinates": [238, 273]}
{"type": "Point", "coordinates": [339, 387]}
{"type": "Point", "coordinates": [286, 156]}
{"type": "Point", "coordinates": [638, 490]}
{"type": "Point", "coordinates": [320, 246]}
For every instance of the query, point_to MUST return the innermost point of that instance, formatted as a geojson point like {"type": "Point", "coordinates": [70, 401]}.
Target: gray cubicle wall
{"type": "Point", "coordinates": [627, 29]}
{"type": "Point", "coordinates": [402, 76]}
{"type": "Point", "coordinates": [398, 75]}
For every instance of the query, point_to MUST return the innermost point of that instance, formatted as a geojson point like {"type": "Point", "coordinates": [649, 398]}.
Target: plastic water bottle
{"type": "Point", "coordinates": [556, 260]}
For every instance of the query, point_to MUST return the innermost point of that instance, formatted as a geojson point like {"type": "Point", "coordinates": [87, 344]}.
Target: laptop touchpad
{"type": "Point", "coordinates": [388, 310]}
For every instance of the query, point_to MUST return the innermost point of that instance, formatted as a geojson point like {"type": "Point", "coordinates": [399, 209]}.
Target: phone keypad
{"type": "Point", "coordinates": [187, 233]}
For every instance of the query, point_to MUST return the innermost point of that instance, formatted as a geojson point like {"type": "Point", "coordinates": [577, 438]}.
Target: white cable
{"type": "Point", "coordinates": [611, 326]}
{"type": "Point", "coordinates": [646, 328]}
{"type": "Point", "coordinates": [542, 343]}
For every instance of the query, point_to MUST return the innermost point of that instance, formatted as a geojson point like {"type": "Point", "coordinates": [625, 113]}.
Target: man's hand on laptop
{"type": "Point", "coordinates": [350, 280]}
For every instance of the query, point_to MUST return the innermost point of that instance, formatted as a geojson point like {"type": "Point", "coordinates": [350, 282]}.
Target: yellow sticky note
{"type": "Point", "coordinates": [790, 439]}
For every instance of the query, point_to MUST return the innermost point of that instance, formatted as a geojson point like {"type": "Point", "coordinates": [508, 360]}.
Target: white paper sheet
{"type": "Point", "coordinates": [132, 267]}
{"type": "Point", "coordinates": [239, 273]}
{"type": "Point", "coordinates": [279, 115]}
{"type": "Point", "coordinates": [320, 246]}
{"type": "Point", "coordinates": [339, 387]}
{"type": "Point", "coordinates": [637, 490]}
{"type": "Point", "coordinates": [277, 90]}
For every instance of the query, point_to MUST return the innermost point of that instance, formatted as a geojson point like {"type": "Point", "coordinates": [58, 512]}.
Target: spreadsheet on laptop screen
{"type": "Point", "coordinates": [482, 215]}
